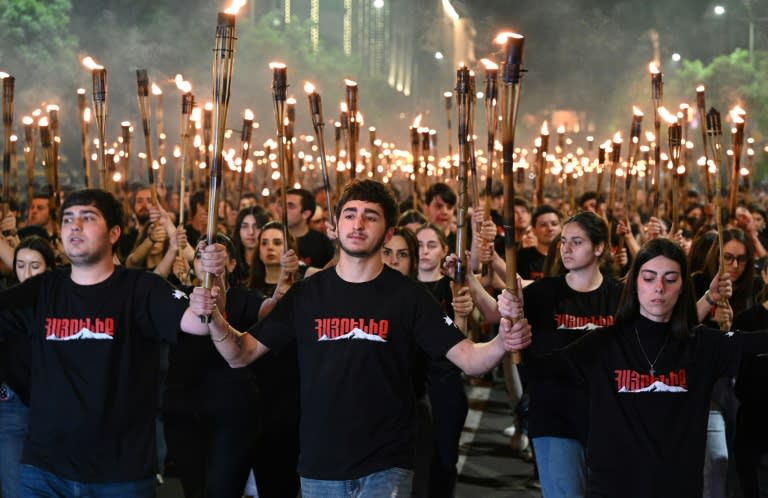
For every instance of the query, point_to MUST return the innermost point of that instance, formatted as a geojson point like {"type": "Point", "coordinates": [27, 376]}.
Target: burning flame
{"type": "Point", "coordinates": [649, 136]}
{"type": "Point", "coordinates": [416, 122]}
{"type": "Point", "coordinates": [489, 65]}
{"type": "Point", "coordinates": [350, 82]}
{"type": "Point", "coordinates": [276, 65]}
{"type": "Point", "coordinates": [43, 122]}
{"type": "Point", "coordinates": [181, 84]}
{"type": "Point", "coordinates": [156, 90]}
{"type": "Point", "coordinates": [561, 129]}
{"type": "Point", "coordinates": [309, 88]}
{"type": "Point", "coordinates": [248, 115]}
{"type": "Point", "coordinates": [209, 106]}
{"type": "Point", "coordinates": [700, 88]}
{"type": "Point", "coordinates": [667, 116]}
{"type": "Point", "coordinates": [27, 121]}
{"type": "Point", "coordinates": [448, 94]}
{"type": "Point", "coordinates": [3, 75]}
{"type": "Point", "coordinates": [637, 112]}
{"type": "Point", "coordinates": [81, 91]}
{"type": "Point", "coordinates": [736, 116]}
{"type": "Point", "coordinates": [617, 138]}
{"type": "Point", "coordinates": [52, 108]}
{"type": "Point", "coordinates": [653, 68]}
{"type": "Point", "coordinates": [343, 107]}
{"type": "Point", "coordinates": [87, 114]}
{"type": "Point", "coordinates": [91, 64]}
{"type": "Point", "coordinates": [291, 101]}
{"type": "Point", "coordinates": [502, 38]}
{"type": "Point", "coordinates": [544, 128]}
{"type": "Point", "coordinates": [235, 7]}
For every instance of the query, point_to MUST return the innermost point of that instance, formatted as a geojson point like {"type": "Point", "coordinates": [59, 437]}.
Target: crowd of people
{"type": "Point", "coordinates": [330, 359]}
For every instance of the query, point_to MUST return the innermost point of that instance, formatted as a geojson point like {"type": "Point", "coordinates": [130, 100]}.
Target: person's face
{"type": "Point", "coordinates": [547, 228]}
{"type": "Point", "coordinates": [247, 202]}
{"type": "Point", "coordinates": [686, 244]}
{"type": "Point", "coordinates": [743, 217]}
{"type": "Point", "coordinates": [522, 217]}
{"type": "Point", "coordinates": [659, 284]}
{"type": "Point", "coordinates": [589, 205]}
{"type": "Point", "coordinates": [38, 212]}
{"type": "Point", "coordinates": [618, 210]}
{"type": "Point", "coordinates": [576, 250]}
{"type": "Point", "coordinates": [295, 214]}
{"type": "Point", "coordinates": [249, 233]}
{"type": "Point", "coordinates": [29, 263]}
{"type": "Point", "coordinates": [735, 258]}
{"type": "Point", "coordinates": [439, 212]}
{"type": "Point", "coordinates": [174, 203]}
{"type": "Point", "coordinates": [759, 221]}
{"type": "Point", "coordinates": [271, 246]}
{"type": "Point", "coordinates": [695, 214]}
{"type": "Point", "coordinates": [362, 229]}
{"type": "Point", "coordinates": [85, 235]}
{"type": "Point", "coordinates": [431, 250]}
{"type": "Point", "coordinates": [141, 205]}
{"type": "Point", "coordinates": [201, 215]}
{"type": "Point", "coordinates": [529, 238]}
{"type": "Point", "coordinates": [395, 254]}
{"type": "Point", "coordinates": [317, 223]}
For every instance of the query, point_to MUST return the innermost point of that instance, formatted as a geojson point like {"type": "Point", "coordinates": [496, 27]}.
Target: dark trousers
{"type": "Point", "coordinates": [449, 411]}
{"type": "Point", "coordinates": [275, 459]}
{"type": "Point", "coordinates": [750, 447]}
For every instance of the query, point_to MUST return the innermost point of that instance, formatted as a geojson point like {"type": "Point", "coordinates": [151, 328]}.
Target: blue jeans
{"type": "Point", "coordinates": [39, 483]}
{"type": "Point", "coordinates": [715, 457]}
{"type": "Point", "coordinates": [390, 483]}
{"type": "Point", "coordinates": [13, 432]}
{"type": "Point", "coordinates": [562, 467]}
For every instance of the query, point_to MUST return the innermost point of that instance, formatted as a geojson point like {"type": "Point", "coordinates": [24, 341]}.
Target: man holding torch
{"type": "Point", "coordinates": [357, 327]}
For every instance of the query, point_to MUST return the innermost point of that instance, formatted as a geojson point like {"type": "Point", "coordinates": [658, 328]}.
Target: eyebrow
{"type": "Point", "coordinates": [366, 210]}
{"type": "Point", "coordinates": [654, 272]}
{"type": "Point", "coordinates": [83, 211]}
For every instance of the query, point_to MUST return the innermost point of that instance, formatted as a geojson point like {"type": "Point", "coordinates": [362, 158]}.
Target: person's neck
{"type": "Point", "coordinates": [94, 273]}
{"type": "Point", "coordinates": [199, 226]}
{"type": "Point", "coordinates": [299, 230]}
{"type": "Point", "coordinates": [543, 249]}
{"type": "Point", "coordinates": [584, 280]}
{"type": "Point", "coordinates": [358, 269]}
{"type": "Point", "coordinates": [272, 274]}
{"type": "Point", "coordinates": [250, 255]}
{"type": "Point", "coordinates": [432, 275]}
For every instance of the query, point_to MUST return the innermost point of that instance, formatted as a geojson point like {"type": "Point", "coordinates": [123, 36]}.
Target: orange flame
{"type": "Point", "coordinates": [182, 84]}
{"type": "Point", "coordinates": [235, 7]}
{"type": "Point", "coordinates": [637, 112]}
{"type": "Point", "coordinates": [91, 64]}
{"type": "Point", "coordinates": [156, 90]}
{"type": "Point", "coordinates": [52, 107]}
{"type": "Point", "coordinates": [87, 114]}
{"type": "Point", "coordinates": [653, 68]}
{"type": "Point", "coordinates": [561, 129]}
{"type": "Point", "coordinates": [700, 88]}
{"type": "Point", "coordinates": [3, 75]}
{"type": "Point", "coordinates": [617, 138]}
{"type": "Point", "coordinates": [667, 116]}
{"type": "Point", "coordinates": [276, 65]}
{"type": "Point", "coordinates": [502, 38]}
{"type": "Point", "coordinates": [489, 64]}
{"type": "Point", "coordinates": [26, 120]}
{"type": "Point", "coordinates": [416, 122]}
{"type": "Point", "coordinates": [309, 88]}
{"type": "Point", "coordinates": [248, 114]}
{"type": "Point", "coordinates": [43, 122]}
{"type": "Point", "coordinates": [544, 128]}
{"type": "Point", "coordinates": [350, 82]}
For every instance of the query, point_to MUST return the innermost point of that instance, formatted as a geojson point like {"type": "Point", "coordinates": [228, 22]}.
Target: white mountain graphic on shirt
{"type": "Point", "coordinates": [82, 334]}
{"type": "Point", "coordinates": [355, 333]}
{"type": "Point", "coordinates": [656, 387]}
{"type": "Point", "coordinates": [586, 326]}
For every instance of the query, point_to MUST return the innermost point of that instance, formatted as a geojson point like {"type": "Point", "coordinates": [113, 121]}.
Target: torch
{"type": "Point", "coordinates": [633, 151]}
{"type": "Point", "coordinates": [142, 84]}
{"type": "Point", "coordinates": [352, 129]}
{"type": "Point", "coordinates": [9, 83]}
{"type": "Point", "coordinates": [702, 108]}
{"type": "Point", "coordinates": [416, 167]}
{"type": "Point", "coordinates": [541, 162]}
{"type": "Point", "coordinates": [207, 116]}
{"type": "Point", "coordinates": [187, 102]}
{"type": "Point", "coordinates": [46, 141]}
{"type": "Point", "coordinates": [160, 121]}
{"type": "Point", "coordinates": [99, 77]}
{"type": "Point", "coordinates": [615, 165]}
{"type": "Point", "coordinates": [30, 145]}
{"type": "Point", "coordinates": [245, 146]}
{"type": "Point", "coordinates": [279, 86]}
{"type": "Point", "coordinates": [290, 120]}
{"type": "Point", "coordinates": [463, 103]}
{"type": "Point", "coordinates": [448, 98]}
{"type": "Point", "coordinates": [316, 111]}
{"type": "Point", "coordinates": [491, 120]}
{"type": "Point", "coordinates": [715, 134]}
{"type": "Point", "coordinates": [657, 92]}
{"type": "Point", "coordinates": [737, 143]}
{"type": "Point", "coordinates": [84, 113]}
{"type": "Point", "coordinates": [674, 136]}
{"type": "Point", "coordinates": [600, 168]}
{"type": "Point", "coordinates": [511, 76]}
{"type": "Point", "coordinates": [223, 65]}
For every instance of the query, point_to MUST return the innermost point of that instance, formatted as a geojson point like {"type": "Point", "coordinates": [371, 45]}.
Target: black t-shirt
{"type": "Point", "coordinates": [530, 263]}
{"type": "Point", "coordinates": [315, 249]}
{"type": "Point", "coordinates": [647, 433]}
{"type": "Point", "coordinates": [753, 372]}
{"type": "Point", "coordinates": [558, 316]}
{"type": "Point", "coordinates": [356, 344]}
{"type": "Point", "coordinates": [95, 370]}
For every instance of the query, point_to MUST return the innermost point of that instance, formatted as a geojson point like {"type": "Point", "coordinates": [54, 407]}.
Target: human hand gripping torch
{"type": "Point", "coordinates": [279, 86]}
{"type": "Point", "coordinates": [702, 108]}
{"type": "Point", "coordinates": [30, 145]}
{"type": "Point", "coordinates": [223, 65]}
{"type": "Point", "coordinates": [142, 83]}
{"type": "Point", "coordinates": [245, 146]}
{"type": "Point", "coordinates": [715, 134]}
{"type": "Point", "coordinates": [353, 128]}
{"type": "Point", "coordinates": [737, 144]}
{"type": "Point", "coordinates": [9, 83]}
{"type": "Point", "coordinates": [511, 76]}
{"type": "Point", "coordinates": [463, 98]}
{"type": "Point", "coordinates": [99, 77]}
{"type": "Point", "coordinates": [316, 111]}
{"type": "Point", "coordinates": [46, 141]}
{"type": "Point", "coordinates": [657, 93]}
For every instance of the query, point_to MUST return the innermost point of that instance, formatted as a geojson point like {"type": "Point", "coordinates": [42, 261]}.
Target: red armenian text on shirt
{"type": "Point", "coordinates": [64, 328]}
{"type": "Point", "coordinates": [332, 328]}
{"type": "Point", "coordinates": [630, 380]}
{"type": "Point", "coordinates": [567, 321]}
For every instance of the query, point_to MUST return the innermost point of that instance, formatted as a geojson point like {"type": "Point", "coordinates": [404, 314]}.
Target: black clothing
{"type": "Point", "coordinates": [315, 249]}
{"type": "Point", "coordinates": [95, 368]}
{"type": "Point", "coordinates": [356, 345]}
{"type": "Point", "coordinates": [530, 263]}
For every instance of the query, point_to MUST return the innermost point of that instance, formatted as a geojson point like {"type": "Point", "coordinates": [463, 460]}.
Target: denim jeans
{"type": "Point", "coordinates": [715, 457]}
{"type": "Point", "coordinates": [562, 467]}
{"type": "Point", "coordinates": [390, 483]}
{"type": "Point", "coordinates": [13, 432]}
{"type": "Point", "coordinates": [39, 483]}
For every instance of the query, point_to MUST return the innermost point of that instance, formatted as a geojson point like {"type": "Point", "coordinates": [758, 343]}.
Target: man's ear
{"type": "Point", "coordinates": [114, 234]}
{"type": "Point", "coordinates": [389, 234]}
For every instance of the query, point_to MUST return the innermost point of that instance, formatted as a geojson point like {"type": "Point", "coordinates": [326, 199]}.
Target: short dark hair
{"type": "Point", "coordinates": [542, 210]}
{"type": "Point", "coordinates": [587, 196]}
{"type": "Point", "coordinates": [371, 191]}
{"type": "Point", "coordinates": [684, 316]}
{"type": "Point", "coordinates": [111, 209]}
{"type": "Point", "coordinates": [442, 190]}
{"type": "Point", "coordinates": [519, 201]}
{"type": "Point", "coordinates": [308, 202]}
{"type": "Point", "coordinates": [411, 216]}
{"type": "Point", "coordinates": [198, 197]}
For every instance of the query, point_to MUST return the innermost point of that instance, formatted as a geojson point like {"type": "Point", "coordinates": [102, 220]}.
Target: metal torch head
{"type": "Point", "coordinates": [700, 99]}
{"type": "Point", "coordinates": [142, 82]}
{"type": "Point", "coordinates": [99, 77]}
{"type": "Point", "coordinates": [9, 83]}
{"type": "Point", "coordinates": [714, 123]}
{"type": "Point", "coordinates": [279, 81]}
{"type": "Point", "coordinates": [512, 67]}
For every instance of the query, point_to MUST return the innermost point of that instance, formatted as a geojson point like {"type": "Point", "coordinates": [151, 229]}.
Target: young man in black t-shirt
{"type": "Point", "coordinates": [315, 249]}
{"type": "Point", "coordinates": [357, 327]}
{"type": "Point", "coordinates": [96, 331]}
{"type": "Point", "coordinates": [546, 222]}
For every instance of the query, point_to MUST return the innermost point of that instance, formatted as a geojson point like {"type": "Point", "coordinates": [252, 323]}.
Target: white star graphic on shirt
{"type": "Point", "coordinates": [729, 334]}
{"type": "Point", "coordinates": [179, 294]}
{"type": "Point", "coordinates": [448, 320]}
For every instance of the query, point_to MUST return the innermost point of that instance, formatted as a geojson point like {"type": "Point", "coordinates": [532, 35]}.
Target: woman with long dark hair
{"type": "Point", "coordinates": [245, 236]}
{"type": "Point", "coordinates": [649, 379]}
